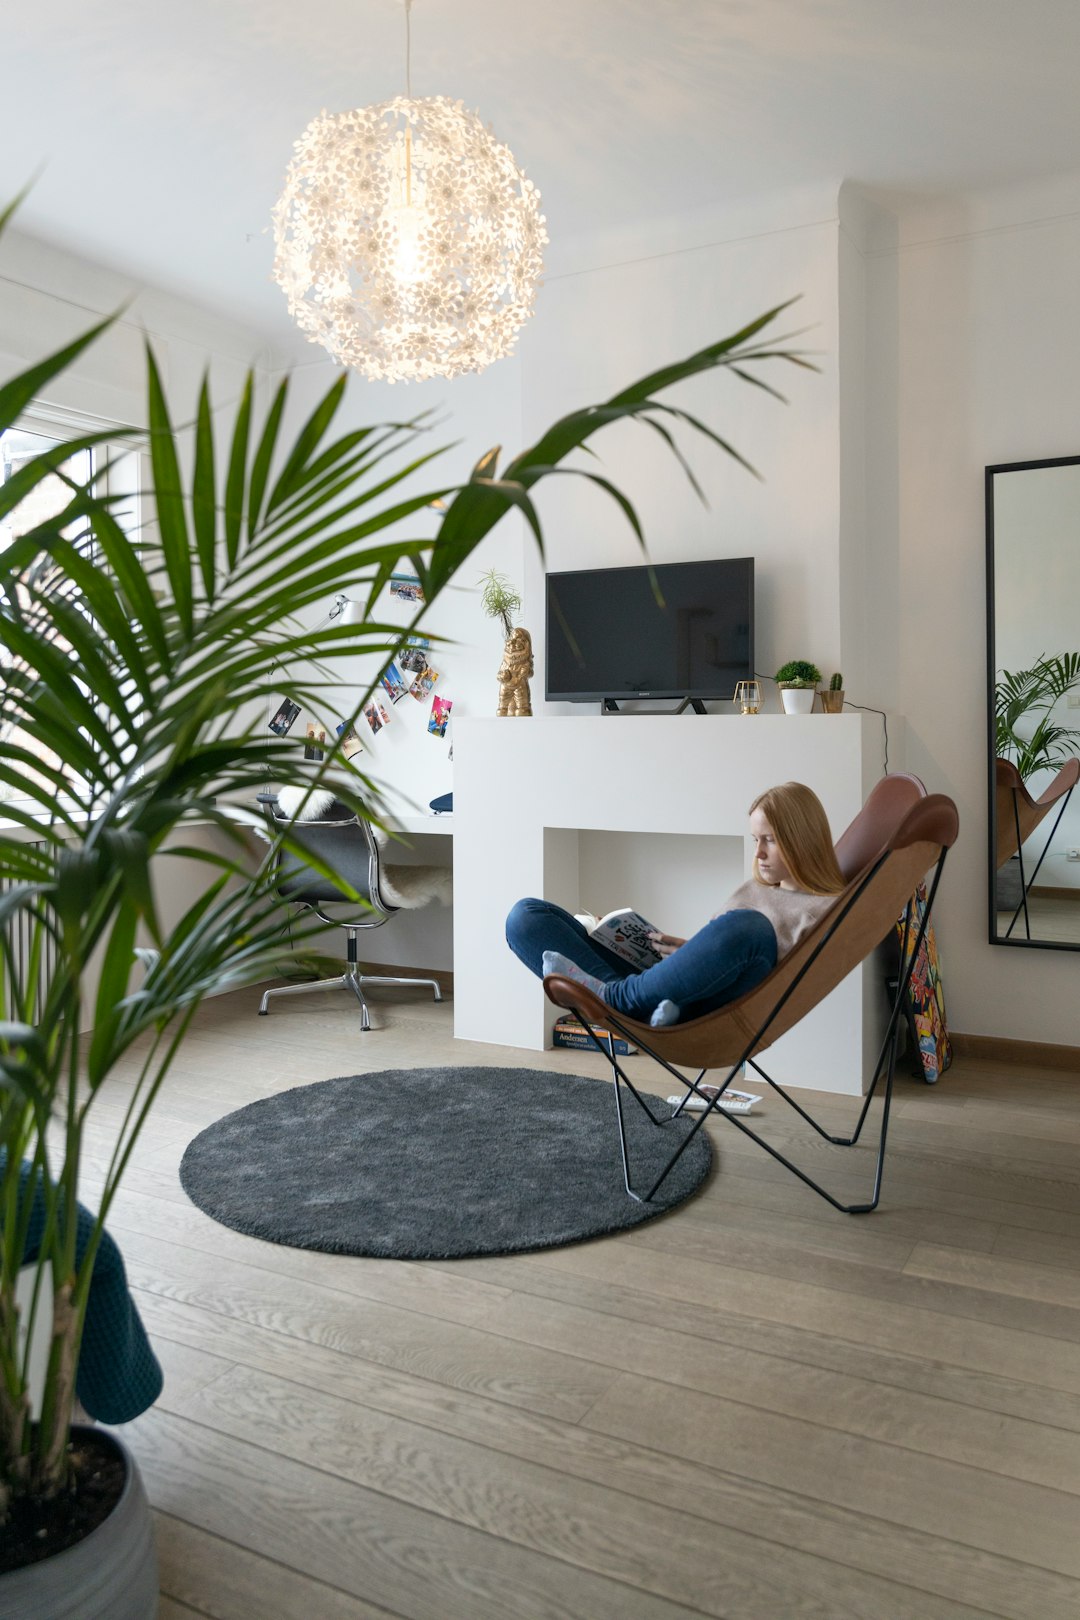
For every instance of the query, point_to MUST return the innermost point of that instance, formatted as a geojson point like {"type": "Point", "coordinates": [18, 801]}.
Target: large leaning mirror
{"type": "Point", "coordinates": [1033, 640]}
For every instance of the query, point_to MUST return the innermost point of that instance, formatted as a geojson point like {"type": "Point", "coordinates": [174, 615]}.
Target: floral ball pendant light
{"type": "Point", "coordinates": [409, 243]}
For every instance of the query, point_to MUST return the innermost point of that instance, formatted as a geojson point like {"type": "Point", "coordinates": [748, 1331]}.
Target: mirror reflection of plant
{"type": "Point", "coordinates": [1030, 696]}
{"type": "Point", "coordinates": [141, 665]}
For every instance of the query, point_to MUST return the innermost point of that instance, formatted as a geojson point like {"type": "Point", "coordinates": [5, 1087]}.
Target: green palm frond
{"type": "Point", "coordinates": [1024, 700]}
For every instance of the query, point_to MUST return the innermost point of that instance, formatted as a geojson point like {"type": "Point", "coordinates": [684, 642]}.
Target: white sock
{"type": "Point", "coordinates": [562, 965]}
{"type": "Point", "coordinates": [668, 1012]}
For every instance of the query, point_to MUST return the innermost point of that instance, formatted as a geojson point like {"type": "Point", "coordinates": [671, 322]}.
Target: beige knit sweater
{"type": "Point", "coordinates": [792, 913]}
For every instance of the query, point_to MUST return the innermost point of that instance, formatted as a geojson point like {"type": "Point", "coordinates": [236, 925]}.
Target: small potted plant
{"type": "Point", "coordinates": [798, 682]}
{"type": "Point", "coordinates": [832, 700]}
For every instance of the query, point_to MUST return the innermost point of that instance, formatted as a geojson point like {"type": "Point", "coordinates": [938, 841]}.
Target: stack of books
{"type": "Point", "coordinates": [569, 1031]}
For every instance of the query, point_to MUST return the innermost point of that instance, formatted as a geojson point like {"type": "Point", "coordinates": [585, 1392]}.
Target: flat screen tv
{"type": "Point", "coordinates": [675, 630]}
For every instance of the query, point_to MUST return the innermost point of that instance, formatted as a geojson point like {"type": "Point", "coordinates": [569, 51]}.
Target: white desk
{"type": "Point", "coordinates": [525, 788]}
{"type": "Point", "coordinates": [419, 822]}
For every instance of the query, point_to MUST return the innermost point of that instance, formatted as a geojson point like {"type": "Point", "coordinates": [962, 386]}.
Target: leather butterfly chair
{"type": "Point", "coordinates": [1016, 816]}
{"type": "Point", "coordinates": [900, 833]}
{"type": "Point", "coordinates": [344, 843]}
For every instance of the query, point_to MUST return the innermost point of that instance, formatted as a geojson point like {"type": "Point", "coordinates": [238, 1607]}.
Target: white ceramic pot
{"type": "Point", "coordinates": [110, 1575]}
{"type": "Point", "coordinates": [798, 699]}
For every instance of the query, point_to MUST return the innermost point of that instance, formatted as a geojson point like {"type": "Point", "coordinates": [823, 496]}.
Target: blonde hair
{"type": "Point", "coordinates": [801, 829]}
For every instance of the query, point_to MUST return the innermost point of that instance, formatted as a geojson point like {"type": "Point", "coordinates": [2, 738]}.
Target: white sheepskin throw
{"type": "Point", "coordinates": [301, 804]}
{"type": "Point", "coordinates": [410, 887]}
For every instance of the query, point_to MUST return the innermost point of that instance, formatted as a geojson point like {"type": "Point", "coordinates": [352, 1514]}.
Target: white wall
{"type": "Point", "coordinates": [614, 311]}
{"type": "Point", "coordinates": [48, 298]}
{"type": "Point", "coordinates": [948, 339]}
{"type": "Point", "coordinates": [974, 359]}
{"type": "Point", "coordinates": [469, 416]}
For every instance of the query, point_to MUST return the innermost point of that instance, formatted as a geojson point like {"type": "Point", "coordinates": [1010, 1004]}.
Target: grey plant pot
{"type": "Point", "coordinates": [111, 1575]}
{"type": "Point", "coordinates": [1007, 886]}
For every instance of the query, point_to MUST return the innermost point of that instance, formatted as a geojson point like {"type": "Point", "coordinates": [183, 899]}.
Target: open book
{"type": "Point", "coordinates": [626, 933]}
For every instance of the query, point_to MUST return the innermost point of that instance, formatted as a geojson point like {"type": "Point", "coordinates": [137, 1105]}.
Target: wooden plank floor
{"type": "Point", "coordinates": [753, 1407]}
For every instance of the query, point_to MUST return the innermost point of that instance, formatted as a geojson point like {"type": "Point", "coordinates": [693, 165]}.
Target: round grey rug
{"type": "Point", "coordinates": [426, 1164]}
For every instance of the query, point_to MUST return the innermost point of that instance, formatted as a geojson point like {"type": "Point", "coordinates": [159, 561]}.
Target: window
{"type": "Point", "coordinates": [116, 467]}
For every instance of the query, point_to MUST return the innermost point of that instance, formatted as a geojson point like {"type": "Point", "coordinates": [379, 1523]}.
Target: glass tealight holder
{"type": "Point", "coordinates": [748, 696]}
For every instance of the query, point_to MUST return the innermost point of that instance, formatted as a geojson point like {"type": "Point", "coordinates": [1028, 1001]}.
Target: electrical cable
{"type": "Point", "coordinates": [864, 708]}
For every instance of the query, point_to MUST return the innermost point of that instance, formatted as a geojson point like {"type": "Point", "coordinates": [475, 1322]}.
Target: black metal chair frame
{"type": "Point", "coordinates": [886, 1064]}
{"type": "Point", "coordinates": [1027, 883]}
{"type": "Point", "coordinates": [352, 979]}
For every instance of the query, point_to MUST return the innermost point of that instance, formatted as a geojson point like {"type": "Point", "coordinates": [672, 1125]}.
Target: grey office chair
{"type": "Point", "coordinates": [346, 844]}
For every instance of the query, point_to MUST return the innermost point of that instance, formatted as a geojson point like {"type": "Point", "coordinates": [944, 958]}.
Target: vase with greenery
{"type": "Point", "coordinates": [142, 663]}
{"type": "Point", "coordinates": [1026, 732]}
{"type": "Point", "coordinates": [798, 682]}
{"type": "Point", "coordinates": [501, 601]}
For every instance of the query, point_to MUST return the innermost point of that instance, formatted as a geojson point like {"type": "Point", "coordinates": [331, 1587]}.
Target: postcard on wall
{"type": "Point", "coordinates": [284, 717]}
{"type": "Point", "coordinates": [393, 684]}
{"type": "Point", "coordinates": [425, 680]}
{"type": "Point", "coordinates": [406, 587]}
{"type": "Point", "coordinates": [440, 714]}
{"type": "Point", "coordinates": [350, 742]}
{"type": "Point", "coordinates": [377, 716]}
{"type": "Point", "coordinates": [414, 659]}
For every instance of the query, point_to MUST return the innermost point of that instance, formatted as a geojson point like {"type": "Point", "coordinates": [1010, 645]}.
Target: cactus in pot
{"type": "Point", "coordinates": [832, 701]}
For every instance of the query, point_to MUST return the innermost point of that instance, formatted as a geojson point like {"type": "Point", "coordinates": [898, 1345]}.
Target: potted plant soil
{"type": "Point", "coordinates": [798, 683]}
{"type": "Point", "coordinates": [139, 662]}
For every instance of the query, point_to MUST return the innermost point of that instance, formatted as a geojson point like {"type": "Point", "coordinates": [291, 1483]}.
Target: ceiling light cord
{"type": "Point", "coordinates": [408, 50]}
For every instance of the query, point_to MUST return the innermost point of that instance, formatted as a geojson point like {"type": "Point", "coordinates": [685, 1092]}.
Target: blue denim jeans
{"type": "Point", "coordinates": [721, 962]}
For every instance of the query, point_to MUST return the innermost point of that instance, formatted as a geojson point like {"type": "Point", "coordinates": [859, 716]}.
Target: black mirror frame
{"type": "Point", "coordinates": [991, 730]}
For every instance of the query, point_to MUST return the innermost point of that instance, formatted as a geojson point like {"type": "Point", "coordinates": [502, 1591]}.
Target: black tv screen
{"type": "Point", "coordinates": [673, 630]}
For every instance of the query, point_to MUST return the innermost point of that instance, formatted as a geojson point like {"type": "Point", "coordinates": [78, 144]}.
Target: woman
{"type": "Point", "coordinates": [796, 878]}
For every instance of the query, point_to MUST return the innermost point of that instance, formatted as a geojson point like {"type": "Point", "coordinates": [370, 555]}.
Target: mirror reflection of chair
{"type": "Point", "coordinates": [1017, 815]}
{"type": "Point", "coordinates": [899, 834]}
{"type": "Point", "coordinates": [346, 844]}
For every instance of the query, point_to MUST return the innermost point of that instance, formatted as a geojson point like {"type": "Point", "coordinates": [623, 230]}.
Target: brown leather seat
{"type": "Point", "coordinates": [898, 836]}
{"type": "Point", "coordinates": [1016, 809]}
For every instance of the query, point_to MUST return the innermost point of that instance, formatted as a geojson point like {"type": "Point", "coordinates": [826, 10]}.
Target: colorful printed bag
{"type": "Point", "coordinates": [926, 999]}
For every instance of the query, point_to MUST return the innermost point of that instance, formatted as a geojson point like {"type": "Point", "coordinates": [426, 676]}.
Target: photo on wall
{"type": "Point", "coordinates": [406, 587]}
{"type": "Point", "coordinates": [283, 717]}
{"type": "Point", "coordinates": [439, 716]}
{"type": "Point", "coordinates": [414, 659]}
{"type": "Point", "coordinates": [350, 742]}
{"type": "Point", "coordinates": [377, 716]}
{"type": "Point", "coordinates": [392, 683]}
{"type": "Point", "coordinates": [422, 686]}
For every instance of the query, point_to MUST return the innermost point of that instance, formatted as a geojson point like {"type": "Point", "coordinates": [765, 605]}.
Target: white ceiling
{"type": "Point", "coordinates": [165, 125]}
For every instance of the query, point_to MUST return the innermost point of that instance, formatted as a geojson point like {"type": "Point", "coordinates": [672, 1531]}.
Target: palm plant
{"type": "Point", "coordinates": [1025, 702]}
{"type": "Point", "coordinates": [139, 662]}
